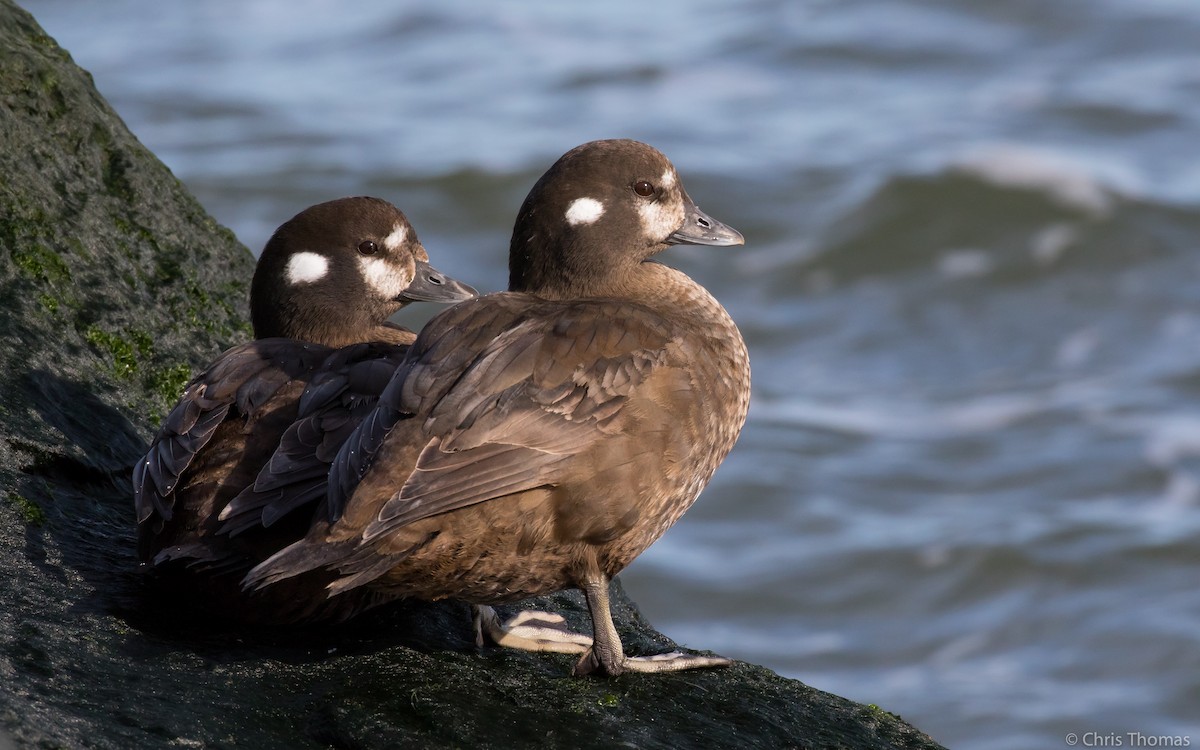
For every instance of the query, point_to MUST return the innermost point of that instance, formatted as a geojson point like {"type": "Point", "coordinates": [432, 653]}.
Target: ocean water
{"type": "Point", "coordinates": [969, 487]}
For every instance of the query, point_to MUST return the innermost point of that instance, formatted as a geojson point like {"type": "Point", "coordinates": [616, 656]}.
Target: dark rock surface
{"type": "Point", "coordinates": [116, 285]}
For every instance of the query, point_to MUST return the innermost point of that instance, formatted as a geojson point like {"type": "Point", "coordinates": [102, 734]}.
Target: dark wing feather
{"type": "Point", "coordinates": [341, 394]}
{"type": "Point", "coordinates": [187, 429]}
{"type": "Point", "coordinates": [238, 382]}
{"type": "Point", "coordinates": [445, 348]}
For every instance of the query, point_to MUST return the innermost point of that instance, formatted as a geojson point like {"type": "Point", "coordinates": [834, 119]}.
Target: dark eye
{"type": "Point", "coordinates": [643, 188]}
{"type": "Point", "coordinates": [366, 247]}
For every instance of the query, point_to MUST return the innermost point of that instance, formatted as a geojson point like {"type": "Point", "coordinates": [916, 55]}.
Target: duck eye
{"type": "Point", "coordinates": [366, 247]}
{"type": "Point", "coordinates": [643, 188]}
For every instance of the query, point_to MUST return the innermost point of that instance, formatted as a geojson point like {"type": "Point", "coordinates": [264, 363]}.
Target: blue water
{"type": "Point", "coordinates": [969, 488]}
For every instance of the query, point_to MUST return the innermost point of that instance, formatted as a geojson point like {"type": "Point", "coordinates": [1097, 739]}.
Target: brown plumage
{"type": "Point", "coordinates": [328, 278]}
{"type": "Point", "coordinates": [542, 438]}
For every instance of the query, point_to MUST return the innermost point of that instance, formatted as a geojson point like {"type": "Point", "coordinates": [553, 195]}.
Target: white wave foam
{"type": "Point", "coordinates": [906, 420]}
{"type": "Point", "coordinates": [1172, 439]}
{"type": "Point", "coordinates": [1049, 244]}
{"type": "Point", "coordinates": [968, 263]}
{"type": "Point", "coordinates": [1066, 181]}
{"type": "Point", "coordinates": [1077, 348]}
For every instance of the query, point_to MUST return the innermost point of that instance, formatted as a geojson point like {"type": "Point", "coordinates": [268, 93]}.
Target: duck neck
{"type": "Point", "coordinates": [672, 291]}
{"type": "Point", "coordinates": [335, 330]}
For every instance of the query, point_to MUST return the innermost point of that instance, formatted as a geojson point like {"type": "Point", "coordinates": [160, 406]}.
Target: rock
{"type": "Point", "coordinates": [116, 286]}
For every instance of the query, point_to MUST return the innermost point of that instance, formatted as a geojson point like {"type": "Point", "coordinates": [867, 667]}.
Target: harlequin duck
{"type": "Point", "coordinates": [323, 289]}
{"type": "Point", "coordinates": [542, 438]}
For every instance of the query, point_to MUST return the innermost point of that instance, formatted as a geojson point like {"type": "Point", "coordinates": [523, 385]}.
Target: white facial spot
{"type": "Point", "coordinates": [396, 238]}
{"type": "Point", "coordinates": [668, 180]}
{"type": "Point", "coordinates": [384, 277]}
{"type": "Point", "coordinates": [305, 268]}
{"type": "Point", "coordinates": [584, 211]}
{"type": "Point", "coordinates": [660, 218]}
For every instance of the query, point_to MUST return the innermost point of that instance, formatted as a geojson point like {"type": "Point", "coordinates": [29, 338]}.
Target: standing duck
{"type": "Point", "coordinates": [541, 438]}
{"type": "Point", "coordinates": [323, 290]}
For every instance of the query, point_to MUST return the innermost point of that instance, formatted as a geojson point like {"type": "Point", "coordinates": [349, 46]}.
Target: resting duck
{"type": "Point", "coordinates": [323, 289]}
{"type": "Point", "coordinates": [542, 438]}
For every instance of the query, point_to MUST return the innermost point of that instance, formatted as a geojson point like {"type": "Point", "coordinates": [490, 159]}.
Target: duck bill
{"type": "Point", "coordinates": [431, 285]}
{"type": "Point", "coordinates": [701, 229]}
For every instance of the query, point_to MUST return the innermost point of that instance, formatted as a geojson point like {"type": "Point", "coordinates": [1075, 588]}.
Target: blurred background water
{"type": "Point", "coordinates": [969, 488]}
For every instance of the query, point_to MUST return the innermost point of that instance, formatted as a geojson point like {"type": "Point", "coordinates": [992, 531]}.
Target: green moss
{"type": "Point", "coordinates": [143, 342]}
{"type": "Point", "coordinates": [125, 352]}
{"type": "Point", "coordinates": [41, 263]}
{"type": "Point", "coordinates": [608, 700]}
{"type": "Point", "coordinates": [199, 312]}
{"type": "Point", "coordinates": [881, 714]}
{"type": "Point", "coordinates": [31, 513]}
{"type": "Point", "coordinates": [15, 228]}
{"type": "Point", "coordinates": [50, 81]}
{"type": "Point", "coordinates": [125, 226]}
{"type": "Point", "coordinates": [48, 302]}
{"type": "Point", "coordinates": [212, 312]}
{"type": "Point", "coordinates": [46, 42]}
{"type": "Point", "coordinates": [167, 383]}
{"type": "Point", "coordinates": [167, 269]}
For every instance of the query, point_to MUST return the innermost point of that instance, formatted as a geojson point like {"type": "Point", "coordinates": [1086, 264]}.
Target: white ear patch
{"type": "Point", "coordinates": [305, 268]}
{"type": "Point", "coordinates": [384, 277]}
{"type": "Point", "coordinates": [584, 211]}
{"type": "Point", "coordinates": [396, 238]}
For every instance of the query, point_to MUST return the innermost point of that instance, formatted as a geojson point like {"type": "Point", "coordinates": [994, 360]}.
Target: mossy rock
{"type": "Point", "coordinates": [116, 287]}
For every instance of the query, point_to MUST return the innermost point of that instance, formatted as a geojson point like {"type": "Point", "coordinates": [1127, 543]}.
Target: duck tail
{"type": "Point", "coordinates": [293, 560]}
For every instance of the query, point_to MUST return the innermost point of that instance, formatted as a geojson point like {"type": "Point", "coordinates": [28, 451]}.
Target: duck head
{"type": "Point", "coordinates": [336, 271]}
{"type": "Point", "coordinates": [598, 212]}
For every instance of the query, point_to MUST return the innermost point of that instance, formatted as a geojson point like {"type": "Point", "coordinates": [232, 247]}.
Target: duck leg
{"type": "Point", "coordinates": [607, 656]}
{"type": "Point", "coordinates": [527, 631]}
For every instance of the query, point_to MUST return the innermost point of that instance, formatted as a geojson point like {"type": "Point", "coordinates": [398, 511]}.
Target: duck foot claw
{"type": "Point", "coordinates": [673, 661]}
{"type": "Point", "coordinates": [528, 631]}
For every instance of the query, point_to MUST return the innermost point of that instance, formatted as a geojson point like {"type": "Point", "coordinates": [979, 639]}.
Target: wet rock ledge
{"type": "Point", "coordinates": [115, 286]}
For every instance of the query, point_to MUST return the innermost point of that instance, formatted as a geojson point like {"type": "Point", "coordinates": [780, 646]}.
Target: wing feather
{"type": "Point", "coordinates": [239, 382]}
{"type": "Point", "coordinates": [531, 401]}
{"type": "Point", "coordinates": [337, 400]}
{"type": "Point", "coordinates": [498, 395]}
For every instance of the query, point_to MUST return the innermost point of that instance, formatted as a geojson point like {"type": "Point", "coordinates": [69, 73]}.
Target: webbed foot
{"type": "Point", "coordinates": [528, 631]}
{"type": "Point", "coordinates": [607, 656]}
{"type": "Point", "coordinates": [673, 661]}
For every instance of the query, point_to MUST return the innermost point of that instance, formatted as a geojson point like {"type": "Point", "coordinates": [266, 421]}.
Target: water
{"type": "Point", "coordinates": [969, 488]}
